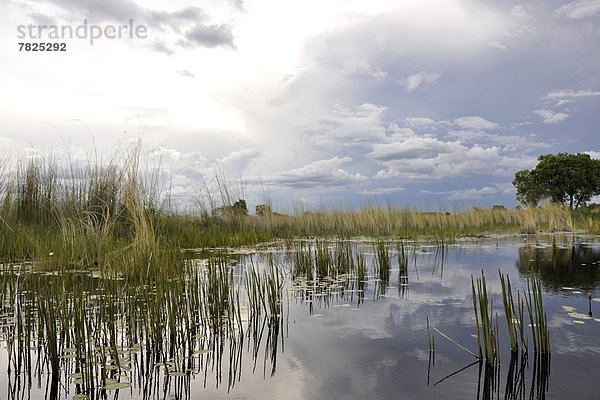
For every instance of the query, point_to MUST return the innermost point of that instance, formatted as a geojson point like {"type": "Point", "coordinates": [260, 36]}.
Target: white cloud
{"type": "Point", "coordinates": [238, 160]}
{"type": "Point", "coordinates": [346, 127]}
{"type": "Point", "coordinates": [594, 154]}
{"type": "Point", "coordinates": [578, 9]}
{"type": "Point", "coordinates": [379, 191]}
{"type": "Point", "coordinates": [472, 194]}
{"type": "Point", "coordinates": [185, 73]}
{"type": "Point", "coordinates": [519, 11]}
{"type": "Point", "coordinates": [415, 157]}
{"type": "Point", "coordinates": [415, 147]}
{"type": "Point", "coordinates": [412, 82]}
{"type": "Point", "coordinates": [561, 97]}
{"type": "Point", "coordinates": [321, 173]}
{"type": "Point", "coordinates": [551, 117]}
{"type": "Point", "coordinates": [416, 122]}
{"type": "Point", "coordinates": [476, 123]}
{"type": "Point", "coordinates": [379, 74]}
{"type": "Point", "coordinates": [497, 45]}
{"type": "Point", "coordinates": [165, 154]}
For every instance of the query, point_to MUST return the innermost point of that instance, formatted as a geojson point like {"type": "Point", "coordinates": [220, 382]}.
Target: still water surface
{"type": "Point", "coordinates": [345, 338]}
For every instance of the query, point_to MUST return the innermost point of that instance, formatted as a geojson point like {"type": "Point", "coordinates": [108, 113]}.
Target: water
{"type": "Point", "coordinates": [342, 338]}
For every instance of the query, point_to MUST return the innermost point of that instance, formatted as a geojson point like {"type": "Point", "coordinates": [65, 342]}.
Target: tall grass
{"type": "Point", "coordinates": [94, 328]}
{"type": "Point", "coordinates": [487, 328]}
{"type": "Point", "coordinates": [514, 315]}
{"type": "Point", "coordinates": [537, 316]}
{"type": "Point", "coordinates": [101, 215]}
{"type": "Point", "coordinates": [382, 261]}
{"type": "Point", "coordinates": [114, 213]}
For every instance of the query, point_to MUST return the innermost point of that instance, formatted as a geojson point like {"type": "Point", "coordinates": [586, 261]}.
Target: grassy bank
{"type": "Point", "coordinates": [112, 216]}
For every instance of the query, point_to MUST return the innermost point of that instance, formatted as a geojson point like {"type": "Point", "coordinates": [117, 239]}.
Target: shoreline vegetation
{"type": "Point", "coordinates": [94, 270]}
{"type": "Point", "coordinates": [115, 217]}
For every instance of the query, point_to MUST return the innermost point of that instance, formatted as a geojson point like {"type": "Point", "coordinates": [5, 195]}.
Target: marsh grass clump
{"type": "Point", "coordinates": [537, 316]}
{"type": "Point", "coordinates": [514, 315]}
{"type": "Point", "coordinates": [92, 330]}
{"type": "Point", "coordinates": [68, 215]}
{"type": "Point", "coordinates": [382, 261]}
{"type": "Point", "coordinates": [302, 263]}
{"type": "Point", "coordinates": [487, 328]}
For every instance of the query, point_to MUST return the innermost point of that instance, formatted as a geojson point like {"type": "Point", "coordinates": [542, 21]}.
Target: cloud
{"type": "Point", "coordinates": [348, 127]}
{"type": "Point", "coordinates": [379, 74]}
{"type": "Point", "coordinates": [414, 147]}
{"type": "Point", "coordinates": [412, 82]}
{"type": "Point", "coordinates": [239, 4]}
{"type": "Point", "coordinates": [187, 27]}
{"type": "Point", "coordinates": [519, 11]}
{"type": "Point", "coordinates": [164, 154]}
{"type": "Point", "coordinates": [210, 35]}
{"type": "Point", "coordinates": [594, 154]}
{"type": "Point", "coordinates": [186, 73]}
{"type": "Point", "coordinates": [474, 194]}
{"type": "Point", "coordinates": [578, 9]}
{"type": "Point", "coordinates": [561, 97]}
{"type": "Point", "coordinates": [419, 122]}
{"type": "Point", "coordinates": [321, 173]}
{"type": "Point", "coordinates": [471, 194]}
{"type": "Point", "coordinates": [497, 45]}
{"type": "Point", "coordinates": [379, 191]}
{"type": "Point", "coordinates": [476, 123]}
{"type": "Point", "coordinates": [423, 158]}
{"type": "Point", "coordinates": [468, 151]}
{"type": "Point", "coordinates": [551, 117]}
{"type": "Point", "coordinates": [238, 160]}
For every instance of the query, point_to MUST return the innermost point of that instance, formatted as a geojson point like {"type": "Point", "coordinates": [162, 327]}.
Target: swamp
{"type": "Point", "coordinates": [105, 294]}
{"type": "Point", "coordinates": [312, 318]}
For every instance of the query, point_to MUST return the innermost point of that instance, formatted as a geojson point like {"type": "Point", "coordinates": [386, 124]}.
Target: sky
{"type": "Point", "coordinates": [312, 104]}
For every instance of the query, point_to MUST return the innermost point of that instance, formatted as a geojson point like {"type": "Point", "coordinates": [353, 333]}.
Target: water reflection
{"type": "Point", "coordinates": [345, 333]}
{"type": "Point", "coordinates": [576, 264]}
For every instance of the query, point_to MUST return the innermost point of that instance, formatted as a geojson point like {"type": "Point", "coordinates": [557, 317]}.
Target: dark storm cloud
{"type": "Point", "coordinates": [42, 19]}
{"type": "Point", "coordinates": [191, 26]}
{"type": "Point", "coordinates": [210, 35]}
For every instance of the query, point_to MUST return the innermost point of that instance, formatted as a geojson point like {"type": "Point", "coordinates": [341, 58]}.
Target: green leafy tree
{"type": "Point", "coordinates": [560, 178]}
{"type": "Point", "coordinates": [240, 207]}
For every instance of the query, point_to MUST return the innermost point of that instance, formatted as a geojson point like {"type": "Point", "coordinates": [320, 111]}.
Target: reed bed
{"type": "Point", "coordinates": [537, 316]}
{"type": "Point", "coordinates": [117, 215]}
{"type": "Point", "coordinates": [487, 326]}
{"type": "Point", "coordinates": [88, 329]}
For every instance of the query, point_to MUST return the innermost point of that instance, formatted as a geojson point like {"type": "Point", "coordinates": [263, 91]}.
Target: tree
{"type": "Point", "coordinates": [240, 207]}
{"type": "Point", "coordinates": [563, 177]}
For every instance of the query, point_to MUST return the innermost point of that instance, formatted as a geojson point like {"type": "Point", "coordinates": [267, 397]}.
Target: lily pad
{"type": "Point", "coordinates": [116, 386]}
{"type": "Point", "coordinates": [579, 315]}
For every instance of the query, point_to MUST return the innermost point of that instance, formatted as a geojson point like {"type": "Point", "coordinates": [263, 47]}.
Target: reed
{"type": "Point", "coordinates": [514, 315]}
{"type": "Point", "coordinates": [382, 261]}
{"type": "Point", "coordinates": [487, 330]}
{"type": "Point", "coordinates": [537, 316]}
